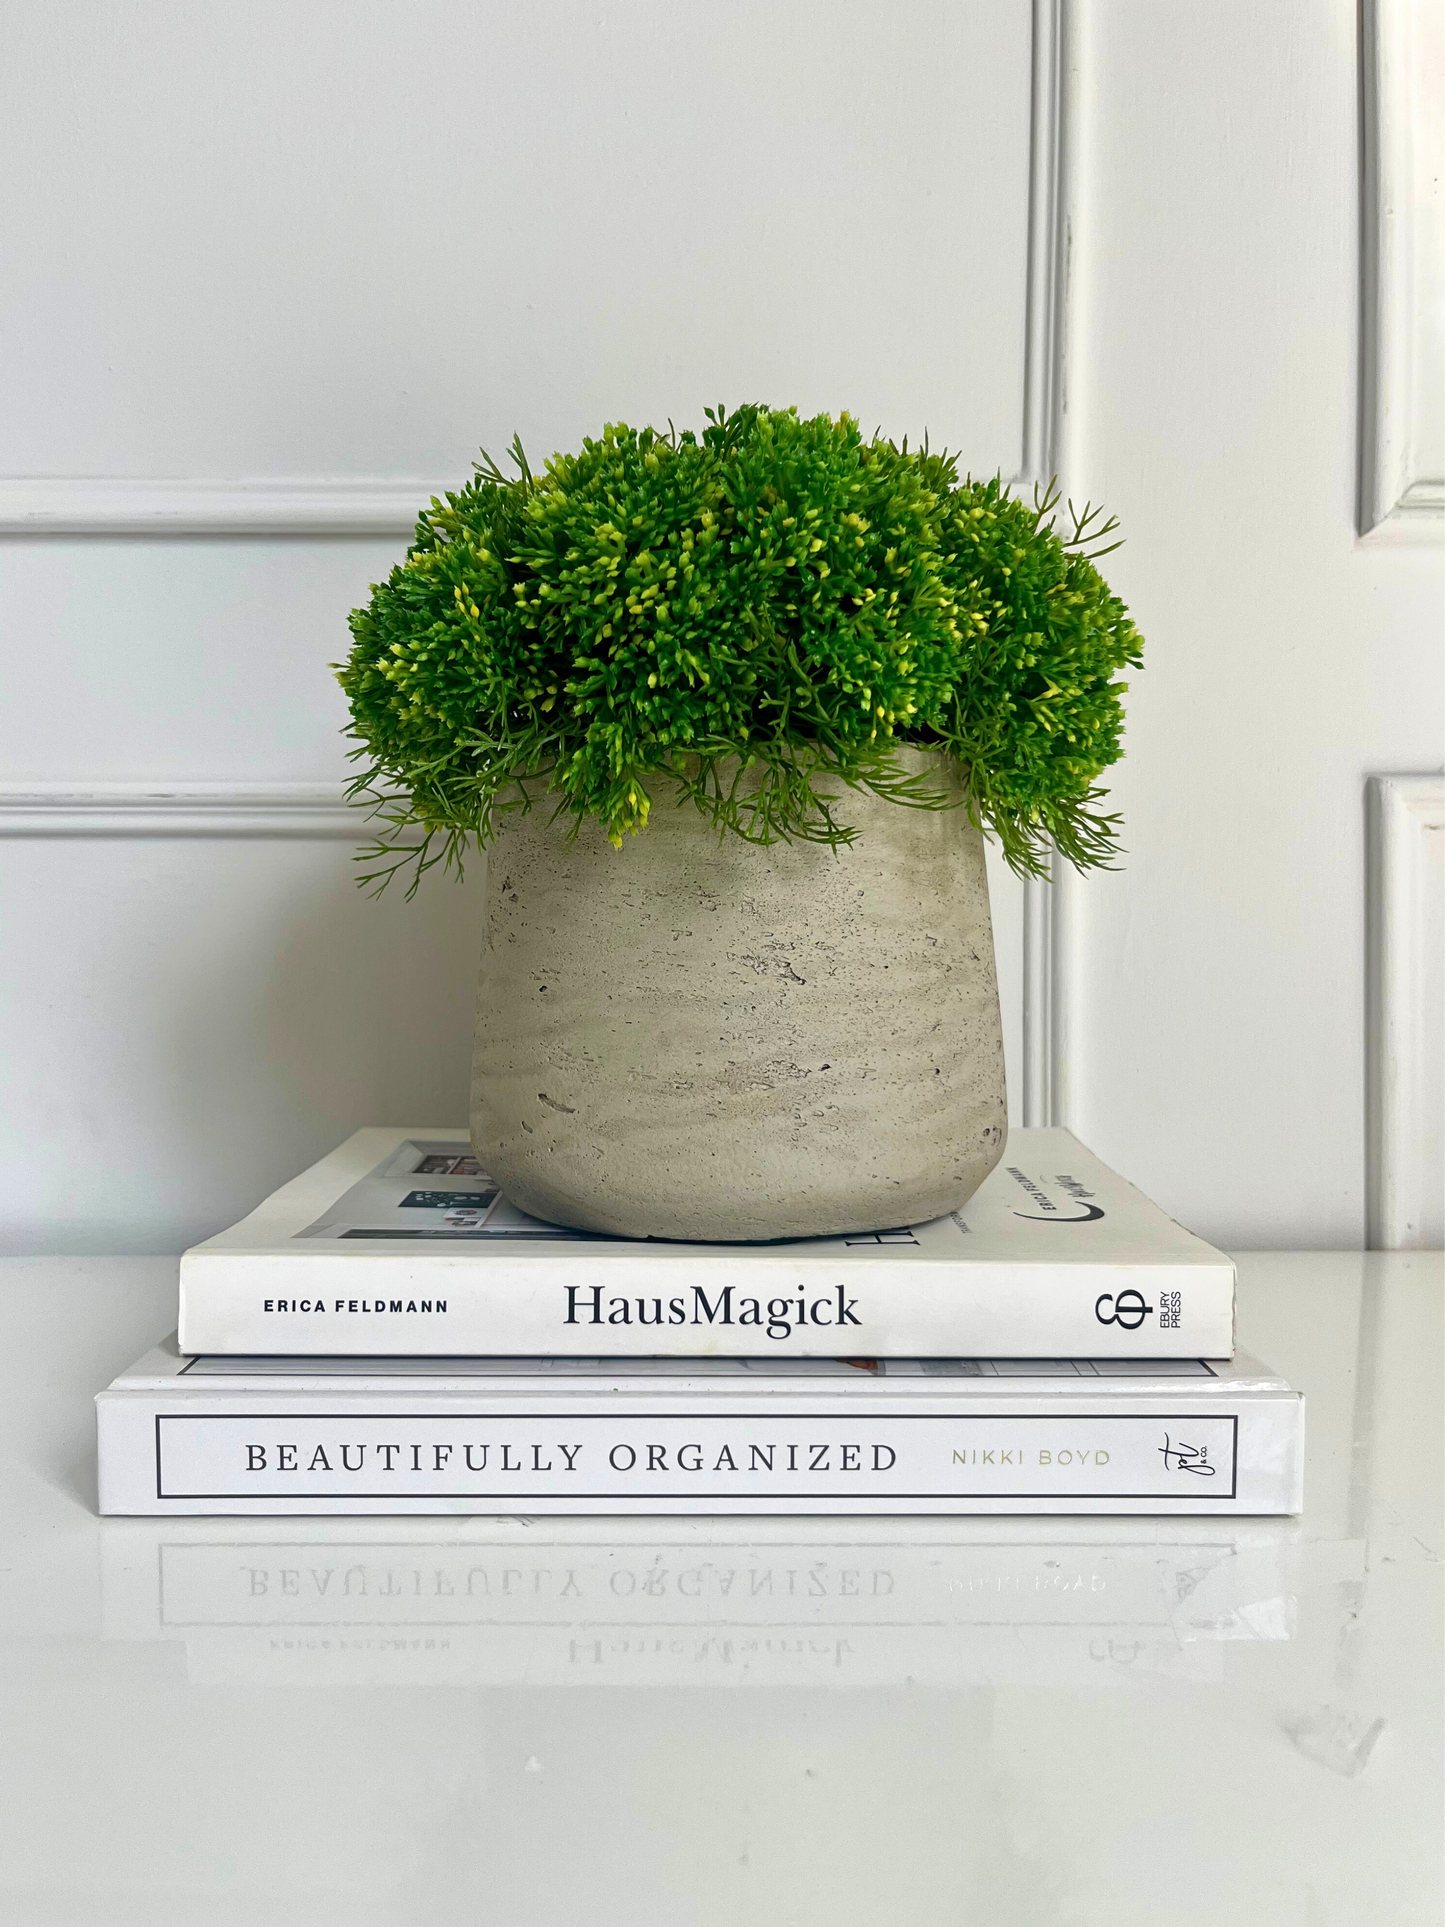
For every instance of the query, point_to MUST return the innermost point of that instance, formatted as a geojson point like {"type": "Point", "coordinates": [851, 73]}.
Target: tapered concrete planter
{"type": "Point", "coordinates": [689, 1038]}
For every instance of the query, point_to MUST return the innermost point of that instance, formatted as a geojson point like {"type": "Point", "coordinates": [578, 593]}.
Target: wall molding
{"type": "Point", "coordinates": [1406, 834]}
{"type": "Point", "coordinates": [1402, 498]}
{"type": "Point", "coordinates": [112, 506]}
{"type": "Point", "coordinates": [1050, 925]}
{"type": "Point", "coordinates": [1037, 1102]}
{"type": "Point", "coordinates": [305, 810]}
{"type": "Point", "coordinates": [1048, 248]}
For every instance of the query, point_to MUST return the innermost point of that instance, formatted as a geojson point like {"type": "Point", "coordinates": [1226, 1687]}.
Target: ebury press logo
{"type": "Point", "coordinates": [1048, 1212]}
{"type": "Point", "coordinates": [1126, 1309]}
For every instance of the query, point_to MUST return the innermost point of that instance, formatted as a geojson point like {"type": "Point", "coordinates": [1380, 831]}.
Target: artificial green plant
{"type": "Point", "coordinates": [751, 620]}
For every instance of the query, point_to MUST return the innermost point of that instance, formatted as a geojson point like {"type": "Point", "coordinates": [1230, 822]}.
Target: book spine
{"type": "Point", "coordinates": [326, 1306]}
{"type": "Point", "coordinates": [264, 1455]}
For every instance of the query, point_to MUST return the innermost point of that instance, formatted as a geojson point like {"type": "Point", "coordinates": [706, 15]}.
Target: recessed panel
{"type": "Point", "coordinates": [359, 240]}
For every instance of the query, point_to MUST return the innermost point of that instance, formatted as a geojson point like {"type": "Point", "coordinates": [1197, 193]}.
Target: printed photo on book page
{"type": "Point", "coordinates": [434, 1191]}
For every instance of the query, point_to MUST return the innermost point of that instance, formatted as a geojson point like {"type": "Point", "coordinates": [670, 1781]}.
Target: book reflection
{"type": "Point", "coordinates": [499, 1603]}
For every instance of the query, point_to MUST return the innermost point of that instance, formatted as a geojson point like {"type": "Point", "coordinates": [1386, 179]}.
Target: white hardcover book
{"type": "Point", "coordinates": [399, 1244]}
{"type": "Point", "coordinates": [648, 1436]}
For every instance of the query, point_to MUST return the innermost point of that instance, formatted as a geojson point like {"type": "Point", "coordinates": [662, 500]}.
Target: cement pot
{"type": "Point", "coordinates": [704, 1039]}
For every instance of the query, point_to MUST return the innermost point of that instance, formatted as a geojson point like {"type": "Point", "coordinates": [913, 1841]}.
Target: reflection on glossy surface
{"type": "Point", "coordinates": [1032, 1721]}
{"type": "Point", "coordinates": [331, 1603]}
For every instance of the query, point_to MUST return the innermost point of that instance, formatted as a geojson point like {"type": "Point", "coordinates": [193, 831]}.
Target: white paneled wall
{"type": "Point", "coordinates": [274, 272]}
{"type": "Point", "coordinates": [1217, 985]}
{"type": "Point", "coordinates": [356, 239]}
{"type": "Point", "coordinates": [193, 1017]}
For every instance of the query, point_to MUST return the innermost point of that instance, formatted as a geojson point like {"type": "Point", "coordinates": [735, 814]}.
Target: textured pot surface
{"type": "Point", "coordinates": [704, 1039]}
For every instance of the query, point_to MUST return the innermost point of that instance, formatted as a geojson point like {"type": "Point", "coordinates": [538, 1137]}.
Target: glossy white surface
{"type": "Point", "coordinates": [1115, 1722]}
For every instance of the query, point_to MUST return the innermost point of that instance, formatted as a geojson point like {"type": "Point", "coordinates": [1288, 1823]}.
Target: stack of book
{"type": "Point", "coordinates": [388, 1333]}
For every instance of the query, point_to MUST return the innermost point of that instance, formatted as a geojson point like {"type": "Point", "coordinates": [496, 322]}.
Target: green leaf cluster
{"type": "Point", "coordinates": [758, 615]}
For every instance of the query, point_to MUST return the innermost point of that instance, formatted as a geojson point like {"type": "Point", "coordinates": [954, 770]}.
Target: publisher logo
{"type": "Point", "coordinates": [1128, 1311]}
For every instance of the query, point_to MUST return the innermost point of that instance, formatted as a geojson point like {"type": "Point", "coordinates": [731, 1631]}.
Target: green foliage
{"type": "Point", "coordinates": [761, 614]}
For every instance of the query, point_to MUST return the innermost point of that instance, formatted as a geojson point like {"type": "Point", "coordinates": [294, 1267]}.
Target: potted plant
{"type": "Point", "coordinates": [731, 712]}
